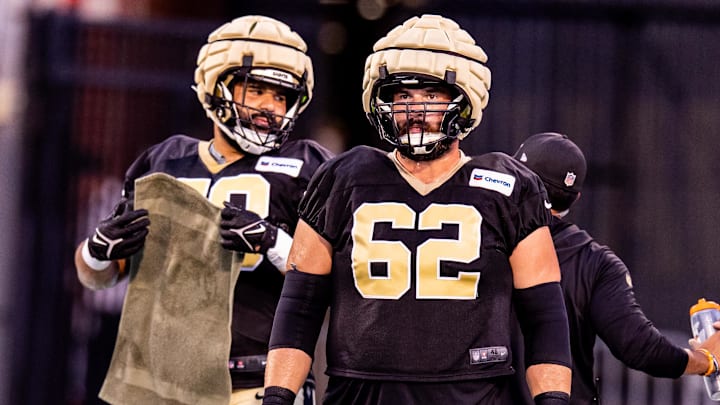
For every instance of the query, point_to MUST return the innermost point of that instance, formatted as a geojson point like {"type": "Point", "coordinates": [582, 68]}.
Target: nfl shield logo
{"type": "Point", "coordinates": [570, 179]}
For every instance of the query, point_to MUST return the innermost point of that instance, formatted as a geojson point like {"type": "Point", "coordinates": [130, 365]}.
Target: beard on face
{"type": "Point", "coordinates": [258, 120]}
{"type": "Point", "coordinates": [416, 131]}
{"type": "Point", "coordinates": [413, 123]}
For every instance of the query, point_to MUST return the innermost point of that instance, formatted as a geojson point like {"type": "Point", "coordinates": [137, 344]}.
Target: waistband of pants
{"type": "Point", "coordinates": [247, 364]}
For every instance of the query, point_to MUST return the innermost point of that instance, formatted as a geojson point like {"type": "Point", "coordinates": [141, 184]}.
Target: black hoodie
{"type": "Point", "coordinates": [600, 302]}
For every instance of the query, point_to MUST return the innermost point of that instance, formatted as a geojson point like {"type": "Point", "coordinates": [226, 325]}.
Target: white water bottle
{"type": "Point", "coordinates": [702, 316]}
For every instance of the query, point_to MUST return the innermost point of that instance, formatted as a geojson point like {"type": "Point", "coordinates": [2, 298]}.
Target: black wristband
{"type": "Point", "coordinates": [552, 398]}
{"type": "Point", "coordinates": [275, 395]}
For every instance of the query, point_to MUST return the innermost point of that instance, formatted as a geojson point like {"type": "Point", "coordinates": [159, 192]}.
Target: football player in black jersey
{"type": "Point", "coordinates": [421, 252]}
{"type": "Point", "coordinates": [596, 284]}
{"type": "Point", "coordinates": [253, 79]}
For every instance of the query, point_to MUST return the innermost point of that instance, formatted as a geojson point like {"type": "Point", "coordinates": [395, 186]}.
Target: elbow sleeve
{"type": "Point", "coordinates": [541, 313]}
{"type": "Point", "coordinates": [301, 311]}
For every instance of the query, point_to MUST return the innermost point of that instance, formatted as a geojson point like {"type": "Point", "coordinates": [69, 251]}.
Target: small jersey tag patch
{"type": "Point", "coordinates": [491, 180]}
{"type": "Point", "coordinates": [492, 354]}
{"type": "Point", "coordinates": [288, 166]}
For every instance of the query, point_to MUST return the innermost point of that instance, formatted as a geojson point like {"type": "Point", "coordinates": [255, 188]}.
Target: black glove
{"type": "Point", "coordinates": [121, 234]}
{"type": "Point", "coordinates": [244, 231]}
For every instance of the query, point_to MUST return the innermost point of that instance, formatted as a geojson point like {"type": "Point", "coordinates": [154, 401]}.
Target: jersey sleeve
{"type": "Point", "coordinates": [533, 210]}
{"type": "Point", "coordinates": [137, 169]}
{"type": "Point", "coordinates": [325, 204]}
{"type": "Point", "coordinates": [318, 201]}
{"type": "Point", "coordinates": [319, 153]}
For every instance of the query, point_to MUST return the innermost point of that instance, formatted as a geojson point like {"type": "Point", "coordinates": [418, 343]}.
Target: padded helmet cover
{"type": "Point", "coordinates": [434, 46]}
{"type": "Point", "coordinates": [261, 41]}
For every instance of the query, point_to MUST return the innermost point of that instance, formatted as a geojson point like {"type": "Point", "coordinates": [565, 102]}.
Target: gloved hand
{"type": "Point", "coordinates": [121, 234]}
{"type": "Point", "coordinates": [244, 231]}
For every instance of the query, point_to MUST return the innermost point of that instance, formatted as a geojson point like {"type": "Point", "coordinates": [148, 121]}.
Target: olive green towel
{"type": "Point", "coordinates": [174, 338]}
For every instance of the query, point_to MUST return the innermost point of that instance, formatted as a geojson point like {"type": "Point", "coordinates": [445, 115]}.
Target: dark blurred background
{"type": "Point", "coordinates": [86, 85]}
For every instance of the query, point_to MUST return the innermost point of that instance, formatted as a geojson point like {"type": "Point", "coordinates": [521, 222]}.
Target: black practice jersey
{"type": "Point", "coordinates": [421, 276]}
{"type": "Point", "coordinates": [270, 185]}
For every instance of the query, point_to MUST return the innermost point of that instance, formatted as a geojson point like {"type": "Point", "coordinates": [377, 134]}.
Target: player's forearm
{"type": "Point", "coordinates": [92, 278]}
{"type": "Point", "coordinates": [287, 368]}
{"type": "Point", "coordinates": [548, 377]}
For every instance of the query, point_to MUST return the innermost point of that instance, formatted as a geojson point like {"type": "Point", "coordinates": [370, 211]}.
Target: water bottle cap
{"type": "Point", "coordinates": [703, 304]}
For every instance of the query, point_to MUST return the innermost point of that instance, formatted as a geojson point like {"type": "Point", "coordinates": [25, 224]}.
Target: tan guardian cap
{"type": "Point", "coordinates": [435, 46]}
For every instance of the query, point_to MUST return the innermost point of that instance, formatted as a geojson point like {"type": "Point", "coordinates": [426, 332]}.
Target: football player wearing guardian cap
{"type": "Point", "coordinates": [421, 252]}
{"type": "Point", "coordinates": [254, 102]}
{"type": "Point", "coordinates": [253, 79]}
